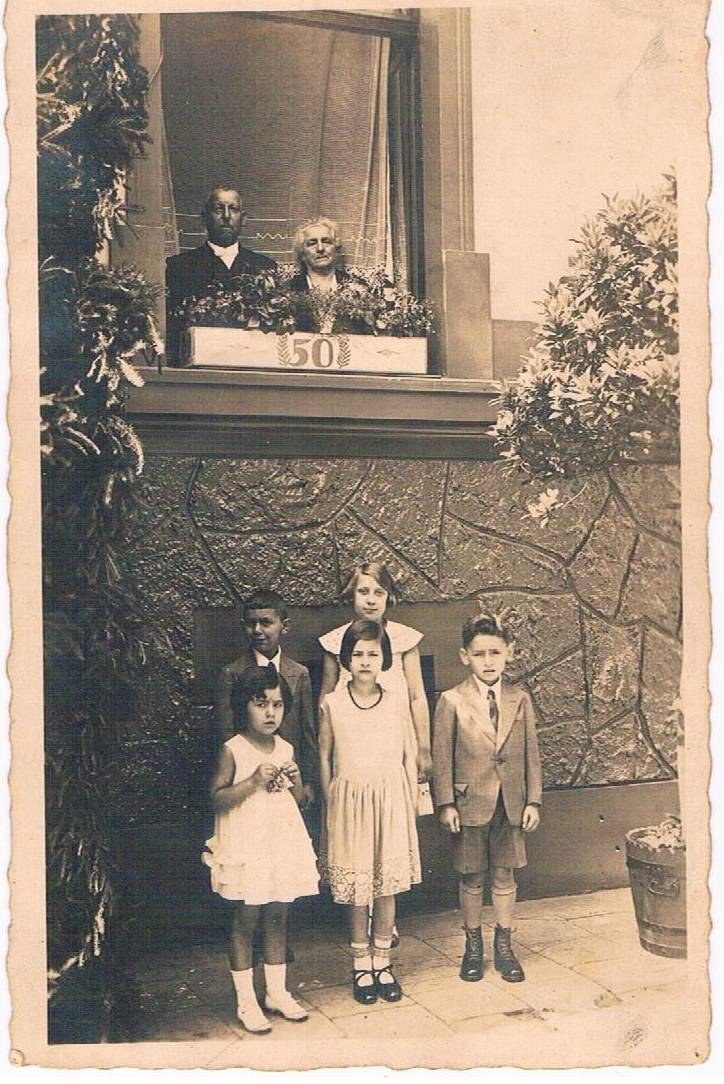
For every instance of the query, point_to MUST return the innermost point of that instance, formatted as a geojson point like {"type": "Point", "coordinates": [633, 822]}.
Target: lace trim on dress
{"type": "Point", "coordinates": [361, 887]}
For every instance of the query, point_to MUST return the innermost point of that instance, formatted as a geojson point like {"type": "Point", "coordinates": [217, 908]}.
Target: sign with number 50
{"type": "Point", "coordinates": [318, 351]}
{"type": "Point", "coordinates": [233, 348]}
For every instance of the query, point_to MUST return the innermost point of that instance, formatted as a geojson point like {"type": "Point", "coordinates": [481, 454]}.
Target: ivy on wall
{"type": "Point", "coordinates": [91, 124]}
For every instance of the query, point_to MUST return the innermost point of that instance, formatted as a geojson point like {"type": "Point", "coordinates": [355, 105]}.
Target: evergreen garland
{"type": "Point", "coordinates": [93, 321]}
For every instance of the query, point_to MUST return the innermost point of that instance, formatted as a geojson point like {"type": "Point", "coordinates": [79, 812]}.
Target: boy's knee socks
{"type": "Point", "coordinates": [471, 903]}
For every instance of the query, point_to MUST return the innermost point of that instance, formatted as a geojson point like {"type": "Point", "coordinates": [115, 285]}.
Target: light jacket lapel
{"type": "Point", "coordinates": [509, 700]}
{"type": "Point", "coordinates": [478, 708]}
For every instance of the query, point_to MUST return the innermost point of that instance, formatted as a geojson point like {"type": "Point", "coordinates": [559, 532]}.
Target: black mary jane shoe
{"type": "Point", "coordinates": [364, 994]}
{"type": "Point", "coordinates": [388, 991]}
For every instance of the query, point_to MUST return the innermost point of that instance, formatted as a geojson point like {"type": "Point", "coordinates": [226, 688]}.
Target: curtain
{"type": "Point", "coordinates": [294, 117]}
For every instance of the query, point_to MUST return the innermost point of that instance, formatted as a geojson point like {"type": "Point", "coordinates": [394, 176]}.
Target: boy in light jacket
{"type": "Point", "coordinates": [488, 787]}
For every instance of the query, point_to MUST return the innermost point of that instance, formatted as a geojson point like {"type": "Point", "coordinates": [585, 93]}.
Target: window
{"type": "Point", "coordinates": [307, 114]}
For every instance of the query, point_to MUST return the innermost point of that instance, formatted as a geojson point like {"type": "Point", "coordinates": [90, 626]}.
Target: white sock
{"type": "Point", "coordinates": [244, 986]}
{"type": "Point", "coordinates": [275, 976]}
{"type": "Point", "coordinates": [381, 957]}
{"type": "Point", "coordinates": [362, 959]}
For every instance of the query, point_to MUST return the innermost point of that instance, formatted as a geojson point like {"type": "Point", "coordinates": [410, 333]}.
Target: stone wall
{"type": "Point", "coordinates": [594, 596]}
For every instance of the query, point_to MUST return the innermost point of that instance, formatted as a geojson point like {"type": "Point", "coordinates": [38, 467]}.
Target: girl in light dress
{"type": "Point", "coordinates": [368, 776]}
{"type": "Point", "coordinates": [370, 589]}
{"type": "Point", "coordinates": [260, 855]}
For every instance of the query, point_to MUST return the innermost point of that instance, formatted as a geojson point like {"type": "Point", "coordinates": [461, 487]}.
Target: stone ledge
{"type": "Point", "coordinates": [218, 411]}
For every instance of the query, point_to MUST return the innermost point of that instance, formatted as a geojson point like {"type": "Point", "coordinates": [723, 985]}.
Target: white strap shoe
{"type": "Point", "coordinates": [285, 1005]}
{"type": "Point", "coordinates": [253, 1018]}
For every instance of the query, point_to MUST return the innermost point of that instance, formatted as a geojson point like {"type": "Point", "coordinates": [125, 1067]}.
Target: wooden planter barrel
{"type": "Point", "coordinates": [658, 886]}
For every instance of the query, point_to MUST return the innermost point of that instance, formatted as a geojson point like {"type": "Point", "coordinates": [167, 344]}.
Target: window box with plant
{"type": "Point", "coordinates": [367, 325]}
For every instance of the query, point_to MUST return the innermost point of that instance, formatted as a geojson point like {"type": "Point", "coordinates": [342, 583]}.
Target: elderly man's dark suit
{"type": "Point", "coordinates": [191, 273]}
{"type": "Point", "coordinates": [298, 727]}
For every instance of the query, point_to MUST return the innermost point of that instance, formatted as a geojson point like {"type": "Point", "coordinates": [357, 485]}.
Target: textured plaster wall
{"type": "Point", "coordinates": [594, 597]}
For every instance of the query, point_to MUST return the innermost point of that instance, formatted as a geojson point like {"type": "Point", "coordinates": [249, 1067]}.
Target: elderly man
{"type": "Point", "coordinates": [219, 259]}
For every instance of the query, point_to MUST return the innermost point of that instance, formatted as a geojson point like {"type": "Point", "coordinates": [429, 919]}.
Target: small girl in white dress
{"type": "Point", "coordinates": [368, 777]}
{"type": "Point", "coordinates": [260, 854]}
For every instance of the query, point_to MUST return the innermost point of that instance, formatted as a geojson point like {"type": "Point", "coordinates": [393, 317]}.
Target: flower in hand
{"type": "Point", "coordinates": [284, 778]}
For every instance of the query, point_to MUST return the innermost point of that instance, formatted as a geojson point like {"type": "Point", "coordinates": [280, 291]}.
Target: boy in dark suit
{"type": "Point", "coordinates": [266, 621]}
{"type": "Point", "coordinates": [488, 787]}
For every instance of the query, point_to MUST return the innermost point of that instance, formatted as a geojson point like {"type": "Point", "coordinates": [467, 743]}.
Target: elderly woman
{"type": "Point", "coordinates": [317, 248]}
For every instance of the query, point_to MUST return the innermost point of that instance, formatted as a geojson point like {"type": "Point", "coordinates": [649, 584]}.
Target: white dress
{"type": "Point", "coordinates": [371, 846]}
{"type": "Point", "coordinates": [260, 851]}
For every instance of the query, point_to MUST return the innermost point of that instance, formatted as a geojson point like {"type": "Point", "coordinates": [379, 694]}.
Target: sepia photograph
{"type": "Point", "coordinates": [360, 607]}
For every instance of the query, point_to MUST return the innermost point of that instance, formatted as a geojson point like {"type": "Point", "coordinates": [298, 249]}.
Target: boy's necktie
{"type": "Point", "coordinates": [493, 709]}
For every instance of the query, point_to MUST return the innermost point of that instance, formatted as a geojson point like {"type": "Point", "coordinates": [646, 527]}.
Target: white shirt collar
{"type": "Point", "coordinates": [262, 660]}
{"type": "Point", "coordinates": [485, 689]}
{"type": "Point", "coordinates": [226, 255]}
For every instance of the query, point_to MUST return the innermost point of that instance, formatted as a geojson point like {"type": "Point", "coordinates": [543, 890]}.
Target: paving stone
{"type": "Point", "coordinates": [337, 1002]}
{"type": "Point", "coordinates": [318, 966]}
{"type": "Point", "coordinates": [613, 926]}
{"type": "Point", "coordinates": [584, 950]}
{"type": "Point", "coordinates": [316, 1026]}
{"type": "Point", "coordinates": [604, 902]}
{"type": "Point", "coordinates": [405, 1021]}
{"type": "Point", "coordinates": [629, 974]}
{"type": "Point", "coordinates": [192, 1025]}
{"type": "Point", "coordinates": [458, 1000]}
{"type": "Point", "coordinates": [412, 952]}
{"type": "Point", "coordinates": [420, 973]}
{"type": "Point", "coordinates": [535, 931]}
{"type": "Point", "coordinates": [424, 927]}
{"type": "Point", "coordinates": [565, 992]}
{"type": "Point", "coordinates": [525, 1027]}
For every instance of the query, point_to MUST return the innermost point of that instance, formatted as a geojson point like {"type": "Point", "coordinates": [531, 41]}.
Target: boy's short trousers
{"type": "Point", "coordinates": [478, 847]}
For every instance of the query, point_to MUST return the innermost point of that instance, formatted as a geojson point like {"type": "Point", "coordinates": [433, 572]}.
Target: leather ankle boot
{"type": "Point", "coordinates": [506, 961]}
{"type": "Point", "coordinates": [471, 969]}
